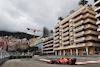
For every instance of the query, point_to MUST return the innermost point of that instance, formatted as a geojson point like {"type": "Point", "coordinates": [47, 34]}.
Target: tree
{"type": "Point", "coordinates": [72, 11]}
{"type": "Point", "coordinates": [95, 0]}
{"type": "Point", "coordinates": [89, 5]}
{"type": "Point", "coordinates": [83, 2]}
{"type": "Point", "coordinates": [60, 18]}
{"type": "Point", "coordinates": [33, 48]}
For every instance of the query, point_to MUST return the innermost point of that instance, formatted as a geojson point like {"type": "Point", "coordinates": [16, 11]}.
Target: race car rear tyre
{"type": "Point", "coordinates": [51, 62]}
{"type": "Point", "coordinates": [57, 62]}
{"type": "Point", "coordinates": [70, 62]}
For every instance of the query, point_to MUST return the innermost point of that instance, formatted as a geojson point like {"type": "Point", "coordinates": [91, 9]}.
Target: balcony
{"type": "Point", "coordinates": [97, 3]}
{"type": "Point", "coordinates": [56, 30]}
{"type": "Point", "coordinates": [78, 18]}
{"type": "Point", "coordinates": [65, 25]}
{"type": "Point", "coordinates": [65, 34]}
{"type": "Point", "coordinates": [48, 42]}
{"type": "Point", "coordinates": [79, 34]}
{"type": "Point", "coordinates": [77, 14]}
{"type": "Point", "coordinates": [98, 22]}
{"type": "Point", "coordinates": [56, 38]}
{"type": "Point", "coordinates": [66, 38]}
{"type": "Point", "coordinates": [79, 28]}
{"type": "Point", "coordinates": [91, 26]}
{"type": "Point", "coordinates": [48, 48]}
{"type": "Point", "coordinates": [99, 37]}
{"type": "Point", "coordinates": [98, 30]}
{"type": "Point", "coordinates": [89, 11]}
{"type": "Point", "coordinates": [56, 41]}
{"type": "Point", "coordinates": [65, 43]}
{"type": "Point", "coordinates": [64, 20]}
{"type": "Point", "coordinates": [91, 38]}
{"type": "Point", "coordinates": [89, 15]}
{"type": "Point", "coordinates": [78, 23]}
{"type": "Point", "coordinates": [97, 9]}
{"type": "Point", "coordinates": [48, 45]}
{"type": "Point", "coordinates": [57, 26]}
{"type": "Point", "coordinates": [98, 15]}
{"type": "Point", "coordinates": [92, 32]}
{"type": "Point", "coordinates": [80, 39]}
{"type": "Point", "coordinates": [65, 29]}
{"type": "Point", "coordinates": [56, 33]}
{"type": "Point", "coordinates": [55, 45]}
{"type": "Point", "coordinates": [90, 20]}
{"type": "Point", "coordinates": [48, 51]}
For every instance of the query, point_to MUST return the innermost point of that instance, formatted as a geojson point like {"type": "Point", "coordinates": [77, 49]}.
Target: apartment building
{"type": "Point", "coordinates": [47, 46]}
{"type": "Point", "coordinates": [77, 34]}
{"type": "Point", "coordinates": [97, 5]}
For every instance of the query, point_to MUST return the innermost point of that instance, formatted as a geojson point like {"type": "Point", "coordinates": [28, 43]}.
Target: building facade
{"type": "Point", "coordinates": [47, 46]}
{"type": "Point", "coordinates": [97, 5]}
{"type": "Point", "coordinates": [77, 34]}
{"type": "Point", "coordinates": [38, 43]}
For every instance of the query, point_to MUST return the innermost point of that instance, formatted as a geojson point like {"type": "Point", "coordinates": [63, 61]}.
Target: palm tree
{"type": "Point", "coordinates": [72, 11]}
{"type": "Point", "coordinates": [89, 5]}
{"type": "Point", "coordinates": [95, 0]}
{"type": "Point", "coordinates": [60, 18]}
{"type": "Point", "coordinates": [83, 2]}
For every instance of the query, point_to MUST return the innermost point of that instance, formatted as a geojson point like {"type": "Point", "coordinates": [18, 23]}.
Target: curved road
{"type": "Point", "coordinates": [35, 63]}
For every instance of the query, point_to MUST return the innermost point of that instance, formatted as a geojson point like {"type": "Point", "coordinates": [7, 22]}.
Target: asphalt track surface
{"type": "Point", "coordinates": [36, 63]}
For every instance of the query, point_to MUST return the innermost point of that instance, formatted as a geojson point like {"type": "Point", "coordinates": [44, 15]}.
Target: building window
{"type": "Point", "coordinates": [71, 20]}
{"type": "Point", "coordinates": [71, 29]}
{"type": "Point", "coordinates": [71, 33]}
{"type": "Point", "coordinates": [72, 39]}
{"type": "Point", "coordinates": [60, 37]}
{"type": "Point", "coordinates": [60, 33]}
{"type": "Point", "coordinates": [71, 24]}
{"type": "Point", "coordinates": [72, 43]}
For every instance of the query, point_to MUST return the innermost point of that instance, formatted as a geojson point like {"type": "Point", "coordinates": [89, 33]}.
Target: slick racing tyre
{"type": "Point", "coordinates": [58, 62]}
{"type": "Point", "coordinates": [51, 62]}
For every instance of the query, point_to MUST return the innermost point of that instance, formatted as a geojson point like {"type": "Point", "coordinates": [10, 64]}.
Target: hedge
{"type": "Point", "coordinates": [19, 57]}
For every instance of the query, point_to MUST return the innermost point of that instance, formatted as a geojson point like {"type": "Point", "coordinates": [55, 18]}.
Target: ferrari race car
{"type": "Point", "coordinates": [63, 61]}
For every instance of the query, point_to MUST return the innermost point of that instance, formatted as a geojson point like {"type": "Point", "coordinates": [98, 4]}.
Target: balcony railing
{"type": "Point", "coordinates": [79, 34]}
{"type": "Point", "coordinates": [48, 45]}
{"type": "Point", "coordinates": [97, 9]}
{"type": "Point", "coordinates": [80, 39]}
{"type": "Point", "coordinates": [55, 45]}
{"type": "Point", "coordinates": [78, 18]}
{"type": "Point", "coordinates": [98, 15]}
{"type": "Point", "coordinates": [91, 26]}
{"type": "Point", "coordinates": [65, 25]}
{"type": "Point", "coordinates": [77, 14]}
{"type": "Point", "coordinates": [56, 41]}
{"type": "Point", "coordinates": [56, 33]}
{"type": "Point", "coordinates": [48, 48]}
{"type": "Point", "coordinates": [92, 32]}
{"type": "Point", "coordinates": [89, 15]}
{"type": "Point", "coordinates": [64, 34]}
{"type": "Point", "coordinates": [79, 28]}
{"type": "Point", "coordinates": [98, 22]}
{"type": "Point", "coordinates": [89, 11]}
{"type": "Point", "coordinates": [97, 2]}
{"type": "Point", "coordinates": [65, 29]}
{"type": "Point", "coordinates": [66, 38]}
{"type": "Point", "coordinates": [90, 20]}
{"type": "Point", "coordinates": [65, 43]}
{"type": "Point", "coordinates": [78, 23]}
{"type": "Point", "coordinates": [56, 38]}
{"type": "Point", "coordinates": [91, 38]}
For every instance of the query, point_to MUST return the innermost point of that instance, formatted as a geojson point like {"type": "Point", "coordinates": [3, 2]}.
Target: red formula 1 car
{"type": "Point", "coordinates": [63, 61]}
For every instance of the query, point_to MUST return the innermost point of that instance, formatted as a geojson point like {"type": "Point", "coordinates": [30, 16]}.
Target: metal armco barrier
{"type": "Point", "coordinates": [2, 60]}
